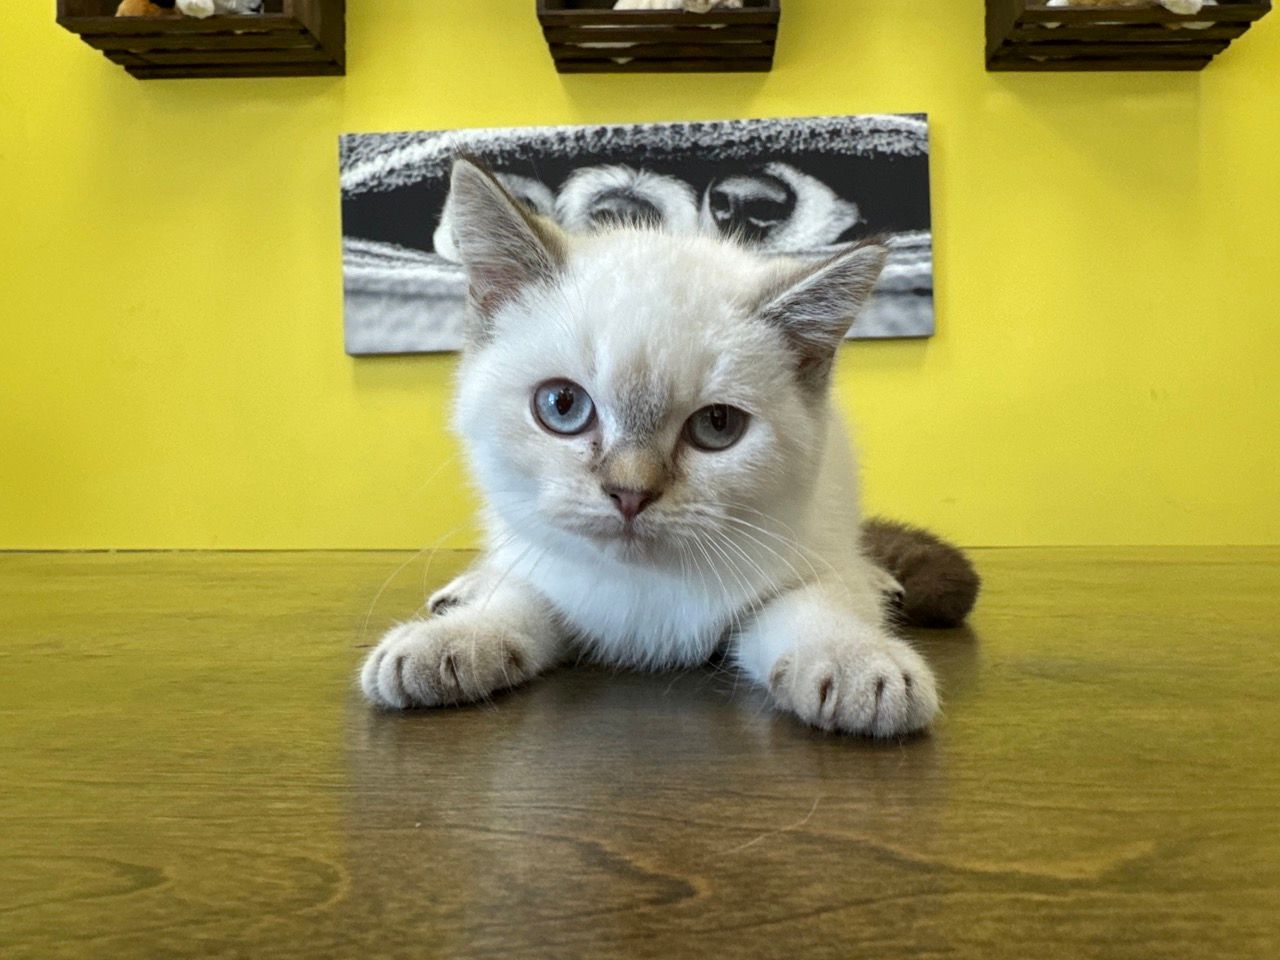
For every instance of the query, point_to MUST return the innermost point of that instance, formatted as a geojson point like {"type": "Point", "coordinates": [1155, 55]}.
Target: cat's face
{"type": "Point", "coordinates": [634, 403]}
{"type": "Point", "coordinates": [651, 396]}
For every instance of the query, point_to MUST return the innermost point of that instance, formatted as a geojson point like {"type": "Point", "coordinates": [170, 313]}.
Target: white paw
{"type": "Point", "coordinates": [881, 690]}
{"type": "Point", "coordinates": [197, 8]}
{"type": "Point", "coordinates": [1183, 6]}
{"type": "Point", "coordinates": [461, 590]}
{"type": "Point", "coordinates": [450, 659]}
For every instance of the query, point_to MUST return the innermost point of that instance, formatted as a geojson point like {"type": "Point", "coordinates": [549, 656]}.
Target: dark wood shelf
{"type": "Point", "coordinates": [671, 41]}
{"type": "Point", "coordinates": [292, 38]}
{"type": "Point", "coordinates": [1021, 36]}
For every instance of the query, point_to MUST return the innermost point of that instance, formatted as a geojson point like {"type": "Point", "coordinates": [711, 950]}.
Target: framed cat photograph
{"type": "Point", "coordinates": [795, 187]}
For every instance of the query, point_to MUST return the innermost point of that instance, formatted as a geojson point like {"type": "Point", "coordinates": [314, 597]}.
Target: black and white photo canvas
{"type": "Point", "coordinates": [796, 187]}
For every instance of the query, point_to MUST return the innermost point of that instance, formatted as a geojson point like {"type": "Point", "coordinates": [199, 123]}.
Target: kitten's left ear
{"type": "Point", "coordinates": [816, 308]}
{"type": "Point", "coordinates": [504, 246]}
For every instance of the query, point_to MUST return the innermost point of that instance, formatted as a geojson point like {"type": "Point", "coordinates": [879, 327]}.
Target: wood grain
{"type": "Point", "coordinates": [189, 772]}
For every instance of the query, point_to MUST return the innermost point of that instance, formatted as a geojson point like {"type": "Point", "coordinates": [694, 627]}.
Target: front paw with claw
{"type": "Point", "coordinates": [880, 690]}
{"type": "Point", "coordinates": [443, 661]}
{"type": "Point", "coordinates": [462, 590]}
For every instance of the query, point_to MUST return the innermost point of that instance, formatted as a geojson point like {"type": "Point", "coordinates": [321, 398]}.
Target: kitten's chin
{"type": "Point", "coordinates": [626, 544]}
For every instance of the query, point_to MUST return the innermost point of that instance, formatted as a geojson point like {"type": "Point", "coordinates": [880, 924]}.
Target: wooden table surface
{"type": "Point", "coordinates": [188, 771]}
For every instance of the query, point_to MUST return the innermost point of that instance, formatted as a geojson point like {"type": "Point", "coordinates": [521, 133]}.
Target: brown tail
{"type": "Point", "coordinates": [940, 584]}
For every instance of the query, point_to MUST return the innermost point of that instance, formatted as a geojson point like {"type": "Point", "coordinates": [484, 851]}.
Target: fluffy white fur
{"type": "Point", "coordinates": [588, 188]}
{"type": "Point", "coordinates": [755, 546]}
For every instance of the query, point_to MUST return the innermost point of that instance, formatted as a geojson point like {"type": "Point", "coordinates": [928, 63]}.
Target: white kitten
{"type": "Point", "coordinates": [647, 418]}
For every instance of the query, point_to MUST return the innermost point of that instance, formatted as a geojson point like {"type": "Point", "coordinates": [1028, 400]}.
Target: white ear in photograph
{"type": "Point", "coordinates": [608, 196]}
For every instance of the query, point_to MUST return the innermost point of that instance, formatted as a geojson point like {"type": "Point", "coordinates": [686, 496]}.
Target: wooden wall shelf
{"type": "Point", "coordinates": [659, 40]}
{"type": "Point", "coordinates": [292, 38]}
{"type": "Point", "coordinates": [1020, 36]}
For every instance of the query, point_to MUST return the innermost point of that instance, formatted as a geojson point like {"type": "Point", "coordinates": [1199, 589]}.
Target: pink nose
{"type": "Point", "coordinates": [630, 502]}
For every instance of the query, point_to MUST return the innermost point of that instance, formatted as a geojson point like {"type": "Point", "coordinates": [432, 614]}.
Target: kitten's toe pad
{"type": "Point", "coordinates": [442, 601]}
{"type": "Point", "coordinates": [881, 691]}
{"type": "Point", "coordinates": [431, 663]}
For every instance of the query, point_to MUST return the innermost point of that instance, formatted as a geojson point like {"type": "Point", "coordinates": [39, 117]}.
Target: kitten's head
{"type": "Point", "coordinates": [652, 396]}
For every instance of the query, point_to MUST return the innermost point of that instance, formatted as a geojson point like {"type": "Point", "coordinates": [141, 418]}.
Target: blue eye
{"type": "Point", "coordinates": [717, 427]}
{"type": "Point", "coordinates": [563, 407]}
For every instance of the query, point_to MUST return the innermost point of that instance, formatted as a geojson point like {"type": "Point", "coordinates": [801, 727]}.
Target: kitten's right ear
{"type": "Point", "coordinates": [815, 308]}
{"type": "Point", "coordinates": [503, 246]}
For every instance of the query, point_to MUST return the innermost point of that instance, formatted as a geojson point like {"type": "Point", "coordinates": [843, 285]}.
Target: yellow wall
{"type": "Point", "coordinates": [171, 365]}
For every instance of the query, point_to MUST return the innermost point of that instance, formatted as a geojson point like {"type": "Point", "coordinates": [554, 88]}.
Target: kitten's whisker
{"type": "Point", "coordinates": [435, 473]}
{"type": "Point", "coordinates": [802, 551]}
{"type": "Point", "coordinates": [433, 547]}
{"type": "Point", "coordinates": [711, 565]}
{"type": "Point", "coordinates": [745, 528]}
{"type": "Point", "coordinates": [769, 584]}
{"type": "Point", "coordinates": [735, 621]}
{"type": "Point", "coordinates": [506, 573]}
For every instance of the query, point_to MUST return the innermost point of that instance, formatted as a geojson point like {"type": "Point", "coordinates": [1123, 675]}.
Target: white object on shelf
{"type": "Point", "coordinates": [207, 8]}
{"type": "Point", "coordinates": [1184, 7]}
{"type": "Point", "coordinates": [689, 6]}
